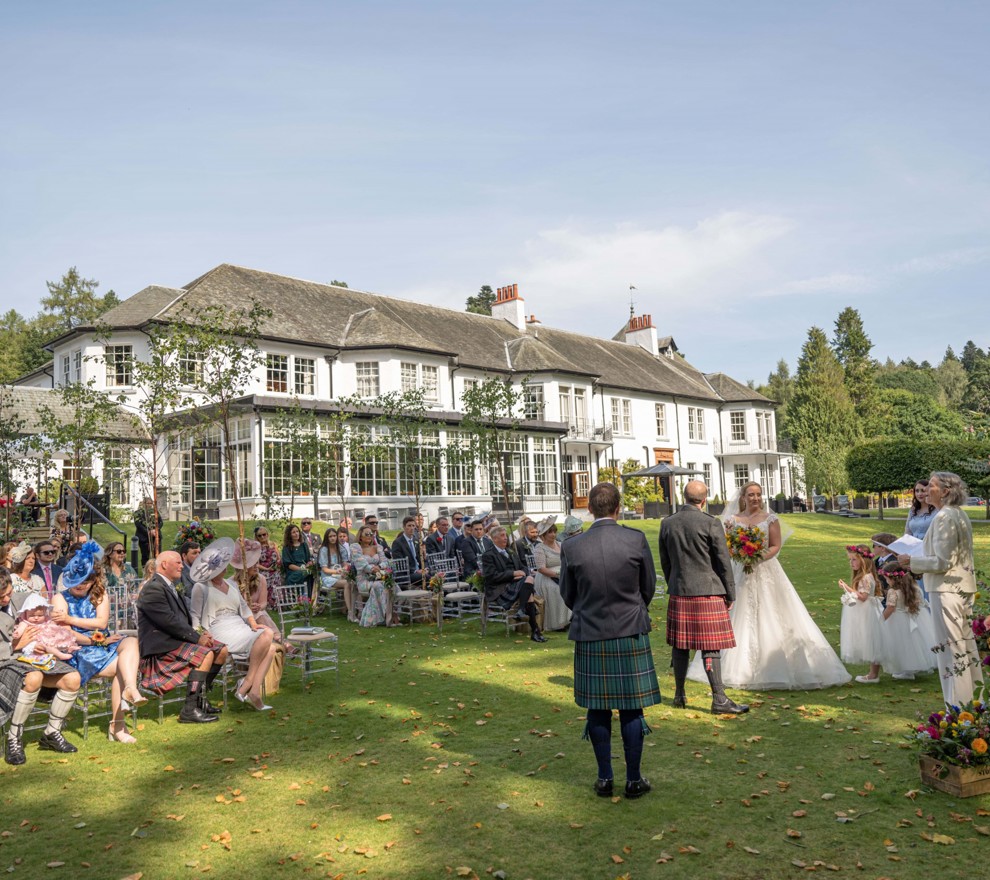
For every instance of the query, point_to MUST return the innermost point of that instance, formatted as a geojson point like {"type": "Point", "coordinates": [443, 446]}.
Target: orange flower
{"type": "Point", "coordinates": [966, 716]}
{"type": "Point", "coordinates": [980, 746]}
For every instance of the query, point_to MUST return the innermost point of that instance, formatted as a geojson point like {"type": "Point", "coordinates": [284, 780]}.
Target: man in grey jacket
{"type": "Point", "coordinates": [696, 565]}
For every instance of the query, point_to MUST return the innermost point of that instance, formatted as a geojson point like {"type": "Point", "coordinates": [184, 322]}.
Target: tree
{"type": "Point", "coordinates": [977, 397]}
{"type": "Point", "coordinates": [336, 283]}
{"type": "Point", "coordinates": [852, 349]}
{"type": "Point", "coordinates": [481, 303]}
{"type": "Point", "coordinates": [972, 354]}
{"type": "Point", "coordinates": [491, 417]}
{"type": "Point", "coordinates": [13, 447]}
{"type": "Point", "coordinates": [72, 301]}
{"type": "Point", "coordinates": [780, 387]}
{"type": "Point", "coordinates": [219, 347]}
{"type": "Point", "coordinates": [635, 490]}
{"type": "Point", "coordinates": [900, 413]}
{"type": "Point", "coordinates": [952, 380]}
{"type": "Point", "coordinates": [821, 419]}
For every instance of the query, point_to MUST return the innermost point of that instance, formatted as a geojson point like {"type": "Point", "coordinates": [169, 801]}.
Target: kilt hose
{"type": "Point", "coordinates": [615, 673]}
{"type": "Point", "coordinates": [699, 622]}
{"type": "Point", "coordinates": [161, 673]}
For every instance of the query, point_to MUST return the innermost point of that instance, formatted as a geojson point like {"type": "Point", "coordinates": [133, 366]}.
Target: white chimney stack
{"type": "Point", "coordinates": [510, 307]}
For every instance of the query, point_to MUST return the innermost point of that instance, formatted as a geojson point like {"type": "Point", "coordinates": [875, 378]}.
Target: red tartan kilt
{"type": "Point", "coordinates": [699, 622]}
{"type": "Point", "coordinates": [163, 672]}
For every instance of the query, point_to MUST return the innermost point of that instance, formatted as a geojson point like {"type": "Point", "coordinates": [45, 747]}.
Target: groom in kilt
{"type": "Point", "coordinates": [607, 579]}
{"type": "Point", "coordinates": [695, 562]}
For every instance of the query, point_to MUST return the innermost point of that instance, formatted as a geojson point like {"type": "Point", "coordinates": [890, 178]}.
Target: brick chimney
{"type": "Point", "coordinates": [510, 307]}
{"type": "Point", "coordinates": [641, 332]}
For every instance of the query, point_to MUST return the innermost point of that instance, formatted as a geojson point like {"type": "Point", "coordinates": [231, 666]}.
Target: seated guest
{"type": "Point", "coordinates": [172, 651]}
{"type": "Point", "coordinates": [371, 521]}
{"type": "Point", "coordinates": [251, 583]}
{"type": "Point", "coordinates": [46, 567]}
{"type": "Point", "coordinates": [572, 526]}
{"type": "Point", "coordinates": [5, 553]}
{"type": "Point", "coordinates": [21, 682]}
{"type": "Point", "coordinates": [188, 551]}
{"type": "Point", "coordinates": [295, 557]}
{"type": "Point", "coordinates": [506, 582]}
{"type": "Point", "coordinates": [331, 561]}
{"type": "Point", "coordinates": [116, 568]}
{"type": "Point", "coordinates": [405, 547]}
{"type": "Point", "coordinates": [528, 537]}
{"type": "Point", "coordinates": [472, 545]}
{"type": "Point", "coordinates": [457, 524]}
{"type": "Point", "coordinates": [441, 541]}
{"type": "Point", "coordinates": [219, 608]}
{"type": "Point", "coordinates": [62, 529]}
{"type": "Point", "coordinates": [85, 607]}
{"type": "Point", "coordinates": [31, 503]}
{"type": "Point", "coordinates": [344, 542]}
{"type": "Point", "coordinates": [21, 560]}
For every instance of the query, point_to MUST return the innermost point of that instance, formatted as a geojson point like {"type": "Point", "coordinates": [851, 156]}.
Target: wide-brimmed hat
{"type": "Point", "coordinates": [213, 560]}
{"type": "Point", "coordinates": [525, 518]}
{"type": "Point", "coordinates": [545, 524]}
{"type": "Point", "coordinates": [572, 526]}
{"type": "Point", "coordinates": [80, 567]}
{"type": "Point", "coordinates": [252, 554]}
{"type": "Point", "coordinates": [19, 553]}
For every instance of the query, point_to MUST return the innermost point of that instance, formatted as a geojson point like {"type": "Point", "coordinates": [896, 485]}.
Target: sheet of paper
{"type": "Point", "coordinates": [907, 545]}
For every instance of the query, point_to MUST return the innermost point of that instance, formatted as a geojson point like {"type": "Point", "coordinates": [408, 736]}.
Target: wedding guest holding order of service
{"type": "Point", "coordinates": [607, 579]}
{"type": "Point", "coordinates": [946, 561]}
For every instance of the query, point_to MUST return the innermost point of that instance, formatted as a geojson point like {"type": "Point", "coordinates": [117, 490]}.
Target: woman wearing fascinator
{"type": "Point", "coordinates": [778, 645]}
{"type": "Point", "coordinates": [84, 605]}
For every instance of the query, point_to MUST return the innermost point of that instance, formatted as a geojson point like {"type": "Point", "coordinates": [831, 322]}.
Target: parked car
{"type": "Point", "coordinates": [973, 501]}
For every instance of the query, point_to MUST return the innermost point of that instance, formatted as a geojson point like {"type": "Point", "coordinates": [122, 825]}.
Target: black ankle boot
{"type": "Point", "coordinates": [679, 701]}
{"type": "Point", "coordinates": [14, 753]}
{"type": "Point", "coordinates": [55, 742]}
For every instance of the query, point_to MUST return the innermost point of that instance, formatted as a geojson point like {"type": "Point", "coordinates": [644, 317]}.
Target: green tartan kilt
{"type": "Point", "coordinates": [615, 673]}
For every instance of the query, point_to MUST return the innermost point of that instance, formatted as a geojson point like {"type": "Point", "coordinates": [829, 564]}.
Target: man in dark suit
{"type": "Point", "coordinates": [147, 529]}
{"type": "Point", "coordinates": [472, 545]}
{"type": "Point", "coordinates": [608, 580]}
{"type": "Point", "coordinates": [506, 582]}
{"type": "Point", "coordinates": [696, 565]}
{"type": "Point", "coordinates": [46, 567]}
{"type": "Point", "coordinates": [172, 651]}
{"type": "Point", "coordinates": [442, 540]}
{"type": "Point", "coordinates": [405, 547]}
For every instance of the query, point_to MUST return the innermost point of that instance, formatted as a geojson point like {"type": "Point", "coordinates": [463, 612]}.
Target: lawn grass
{"type": "Point", "coordinates": [434, 754]}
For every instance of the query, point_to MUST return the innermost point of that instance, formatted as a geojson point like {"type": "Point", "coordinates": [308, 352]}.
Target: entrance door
{"type": "Point", "coordinates": [580, 487]}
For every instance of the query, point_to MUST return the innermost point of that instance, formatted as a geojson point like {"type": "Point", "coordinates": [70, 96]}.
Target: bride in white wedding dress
{"type": "Point", "coordinates": [778, 645]}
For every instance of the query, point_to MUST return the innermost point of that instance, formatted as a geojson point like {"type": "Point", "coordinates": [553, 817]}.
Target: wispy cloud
{"type": "Point", "coordinates": [945, 261]}
{"type": "Point", "coordinates": [839, 282]}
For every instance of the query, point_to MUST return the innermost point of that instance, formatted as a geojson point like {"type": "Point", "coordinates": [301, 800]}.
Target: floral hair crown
{"type": "Point", "coordinates": [852, 548]}
{"type": "Point", "coordinates": [897, 573]}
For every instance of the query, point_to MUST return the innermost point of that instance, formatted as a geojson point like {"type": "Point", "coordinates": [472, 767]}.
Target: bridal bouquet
{"type": "Point", "coordinates": [746, 545]}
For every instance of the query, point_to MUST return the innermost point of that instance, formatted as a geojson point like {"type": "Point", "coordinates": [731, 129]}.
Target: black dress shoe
{"type": "Point", "coordinates": [679, 702]}
{"type": "Point", "coordinates": [14, 753]}
{"type": "Point", "coordinates": [539, 637]}
{"type": "Point", "coordinates": [725, 706]}
{"type": "Point", "coordinates": [195, 715]}
{"type": "Point", "coordinates": [603, 787]}
{"type": "Point", "coordinates": [638, 788]}
{"type": "Point", "coordinates": [55, 742]}
{"type": "Point", "coordinates": [208, 707]}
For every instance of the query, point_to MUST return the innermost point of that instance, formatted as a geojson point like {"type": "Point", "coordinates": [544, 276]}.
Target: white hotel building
{"type": "Point", "coordinates": [589, 401]}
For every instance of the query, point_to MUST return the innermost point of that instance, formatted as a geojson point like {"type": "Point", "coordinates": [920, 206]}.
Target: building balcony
{"type": "Point", "coordinates": [754, 446]}
{"type": "Point", "coordinates": [587, 431]}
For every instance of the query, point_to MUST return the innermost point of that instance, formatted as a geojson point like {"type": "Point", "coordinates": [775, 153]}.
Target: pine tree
{"type": "Point", "coordinates": [972, 355]}
{"type": "Point", "coordinates": [821, 416]}
{"type": "Point", "coordinates": [481, 303]}
{"type": "Point", "coordinates": [72, 301]}
{"type": "Point", "coordinates": [852, 348]}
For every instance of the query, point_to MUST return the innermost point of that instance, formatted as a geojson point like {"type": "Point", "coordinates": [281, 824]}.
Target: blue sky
{"type": "Point", "coordinates": [751, 167]}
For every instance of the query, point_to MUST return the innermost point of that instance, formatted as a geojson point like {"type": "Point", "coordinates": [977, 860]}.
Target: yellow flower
{"type": "Point", "coordinates": [980, 746]}
{"type": "Point", "coordinates": [943, 724]}
{"type": "Point", "coordinates": [966, 716]}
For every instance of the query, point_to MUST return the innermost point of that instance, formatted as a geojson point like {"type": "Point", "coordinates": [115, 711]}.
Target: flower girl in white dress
{"type": "Point", "coordinates": [860, 635]}
{"type": "Point", "coordinates": [908, 632]}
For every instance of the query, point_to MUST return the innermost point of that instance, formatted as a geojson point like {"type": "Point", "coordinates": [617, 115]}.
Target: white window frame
{"type": "Point", "coordinates": [661, 416]}
{"type": "Point", "coordinates": [737, 426]}
{"type": "Point", "coordinates": [622, 416]}
{"type": "Point", "coordinates": [534, 401]}
{"type": "Point", "coordinates": [696, 424]}
{"type": "Point", "coordinates": [66, 370]}
{"type": "Point", "coordinates": [740, 475]}
{"type": "Point", "coordinates": [367, 378]}
{"type": "Point", "coordinates": [304, 375]}
{"type": "Point", "coordinates": [118, 360]}
{"type": "Point", "coordinates": [277, 373]}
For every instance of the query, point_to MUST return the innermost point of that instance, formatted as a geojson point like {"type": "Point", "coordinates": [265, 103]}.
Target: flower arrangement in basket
{"type": "Point", "coordinates": [437, 582]}
{"type": "Point", "coordinates": [477, 581]}
{"type": "Point", "coordinates": [957, 735]}
{"type": "Point", "coordinates": [746, 545]}
{"type": "Point", "coordinates": [194, 530]}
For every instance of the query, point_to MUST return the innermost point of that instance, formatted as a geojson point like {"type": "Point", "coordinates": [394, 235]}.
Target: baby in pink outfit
{"type": "Point", "coordinates": [59, 641]}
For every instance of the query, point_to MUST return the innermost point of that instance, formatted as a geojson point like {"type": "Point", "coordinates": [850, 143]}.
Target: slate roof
{"type": "Point", "coordinates": [23, 402]}
{"type": "Point", "coordinates": [730, 390]}
{"type": "Point", "coordinates": [332, 317]}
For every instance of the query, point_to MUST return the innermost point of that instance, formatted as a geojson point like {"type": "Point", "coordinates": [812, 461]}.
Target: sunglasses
{"type": "Point", "coordinates": [307, 523]}
{"type": "Point", "coordinates": [46, 552]}
{"type": "Point", "coordinates": [262, 534]}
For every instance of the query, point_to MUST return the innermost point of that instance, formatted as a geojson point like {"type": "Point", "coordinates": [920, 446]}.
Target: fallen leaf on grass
{"type": "Point", "coordinates": [751, 851]}
{"type": "Point", "coordinates": [799, 814]}
{"type": "Point", "coordinates": [689, 851]}
{"type": "Point", "coordinates": [384, 817]}
{"type": "Point", "coordinates": [982, 829]}
{"type": "Point", "coordinates": [618, 860]}
{"type": "Point", "coordinates": [942, 839]}
{"type": "Point", "coordinates": [792, 833]}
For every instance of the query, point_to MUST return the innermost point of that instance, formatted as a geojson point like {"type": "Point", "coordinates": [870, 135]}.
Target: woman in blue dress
{"type": "Point", "coordinates": [921, 514]}
{"type": "Point", "coordinates": [85, 606]}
